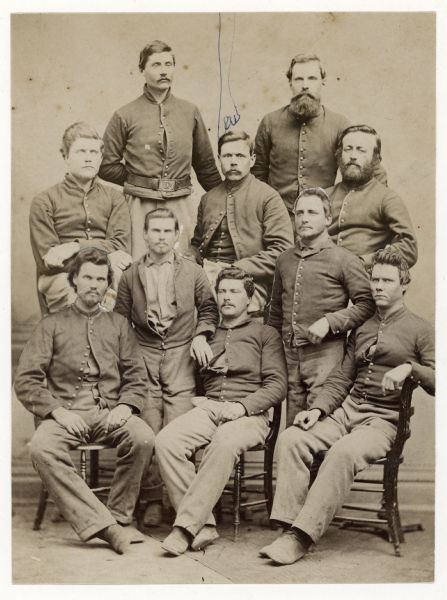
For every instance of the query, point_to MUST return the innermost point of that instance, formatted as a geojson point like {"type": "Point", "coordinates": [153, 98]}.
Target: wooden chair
{"type": "Point", "coordinates": [240, 477]}
{"type": "Point", "coordinates": [387, 521]}
{"type": "Point", "coordinates": [94, 470]}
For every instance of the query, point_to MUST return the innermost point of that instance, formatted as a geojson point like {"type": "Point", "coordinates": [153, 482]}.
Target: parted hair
{"type": "Point", "coordinates": [154, 47]}
{"type": "Point", "coordinates": [160, 213]}
{"type": "Point", "coordinates": [234, 135]}
{"type": "Point", "coordinates": [241, 275]}
{"type": "Point", "coordinates": [81, 129]}
{"type": "Point", "coordinates": [91, 255]}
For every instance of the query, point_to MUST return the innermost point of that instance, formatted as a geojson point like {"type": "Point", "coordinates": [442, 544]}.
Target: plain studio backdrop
{"type": "Point", "coordinates": [380, 71]}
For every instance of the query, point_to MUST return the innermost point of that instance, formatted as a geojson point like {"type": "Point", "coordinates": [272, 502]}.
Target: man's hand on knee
{"type": "Point", "coordinates": [307, 418]}
{"type": "Point", "coordinates": [231, 411]}
{"type": "Point", "coordinates": [120, 259]}
{"type": "Point", "coordinates": [117, 417]}
{"type": "Point", "coordinates": [72, 422]}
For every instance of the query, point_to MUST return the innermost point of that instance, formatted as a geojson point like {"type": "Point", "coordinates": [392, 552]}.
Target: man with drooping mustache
{"type": "Point", "coordinates": [366, 215]}
{"type": "Point", "coordinates": [151, 144]}
{"type": "Point", "coordinates": [295, 145]}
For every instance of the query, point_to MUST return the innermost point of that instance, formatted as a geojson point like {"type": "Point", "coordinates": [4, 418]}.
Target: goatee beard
{"type": "Point", "coordinates": [357, 176]}
{"type": "Point", "coordinates": [304, 107]}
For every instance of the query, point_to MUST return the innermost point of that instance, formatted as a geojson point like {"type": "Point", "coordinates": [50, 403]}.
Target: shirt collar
{"type": "Point", "coordinates": [149, 261]}
{"type": "Point", "coordinates": [241, 324]}
{"type": "Point", "coordinates": [79, 310]}
{"type": "Point", "coordinates": [394, 316]}
{"type": "Point", "coordinates": [238, 185]}
{"type": "Point", "coordinates": [73, 183]}
{"type": "Point", "coordinates": [321, 244]}
{"type": "Point", "coordinates": [151, 98]}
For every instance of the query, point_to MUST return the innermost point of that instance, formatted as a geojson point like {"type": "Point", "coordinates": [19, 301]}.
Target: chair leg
{"type": "Point", "coordinates": [43, 499]}
{"type": "Point", "coordinates": [395, 533]}
{"type": "Point", "coordinates": [94, 468]}
{"type": "Point", "coordinates": [83, 465]}
{"type": "Point", "coordinates": [236, 499]}
{"type": "Point", "coordinates": [268, 479]}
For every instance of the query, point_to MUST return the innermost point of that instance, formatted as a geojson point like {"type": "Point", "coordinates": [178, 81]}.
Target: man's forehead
{"type": "Point", "coordinates": [306, 68]}
{"type": "Point", "coordinates": [89, 143]}
{"type": "Point", "coordinates": [89, 267]}
{"type": "Point", "coordinates": [235, 146]}
{"type": "Point", "coordinates": [231, 283]}
{"type": "Point", "coordinates": [314, 201]}
{"type": "Point", "coordinates": [161, 223]}
{"type": "Point", "coordinates": [359, 138]}
{"type": "Point", "coordinates": [389, 271]}
{"type": "Point", "coordinates": [160, 57]}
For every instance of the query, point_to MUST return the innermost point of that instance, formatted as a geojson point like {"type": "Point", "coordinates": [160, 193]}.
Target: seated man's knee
{"type": "Point", "coordinates": [143, 438]}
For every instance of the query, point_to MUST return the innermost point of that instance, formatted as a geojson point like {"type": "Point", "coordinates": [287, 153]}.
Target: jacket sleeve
{"type": "Point", "coordinates": [42, 231]}
{"type": "Point", "coordinates": [197, 237]}
{"type": "Point", "coordinates": [423, 371]}
{"type": "Point", "coordinates": [123, 304]}
{"type": "Point", "coordinates": [134, 383]}
{"type": "Point", "coordinates": [207, 313]}
{"type": "Point", "coordinates": [30, 380]}
{"type": "Point", "coordinates": [277, 237]}
{"type": "Point", "coordinates": [263, 145]}
{"type": "Point", "coordinates": [338, 383]}
{"type": "Point", "coordinates": [202, 159]}
{"type": "Point", "coordinates": [273, 373]}
{"type": "Point", "coordinates": [115, 140]}
{"type": "Point", "coordinates": [356, 282]}
{"type": "Point", "coordinates": [397, 219]}
{"type": "Point", "coordinates": [117, 235]}
{"type": "Point", "coordinates": [275, 318]}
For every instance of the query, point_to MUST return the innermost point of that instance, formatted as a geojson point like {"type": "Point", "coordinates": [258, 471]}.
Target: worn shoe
{"type": "Point", "coordinates": [207, 535]}
{"type": "Point", "coordinates": [116, 536]}
{"type": "Point", "coordinates": [177, 542]}
{"type": "Point", "coordinates": [135, 536]}
{"type": "Point", "coordinates": [285, 550]}
{"type": "Point", "coordinates": [153, 514]}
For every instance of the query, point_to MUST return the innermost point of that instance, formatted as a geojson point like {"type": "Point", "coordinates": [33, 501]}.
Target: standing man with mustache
{"type": "Point", "coordinates": [367, 215]}
{"type": "Point", "coordinates": [313, 285]}
{"type": "Point", "coordinates": [242, 221]}
{"type": "Point", "coordinates": [151, 144]}
{"type": "Point", "coordinates": [295, 145]}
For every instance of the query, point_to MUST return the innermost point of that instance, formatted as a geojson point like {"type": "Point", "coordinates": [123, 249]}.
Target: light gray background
{"type": "Point", "coordinates": [381, 71]}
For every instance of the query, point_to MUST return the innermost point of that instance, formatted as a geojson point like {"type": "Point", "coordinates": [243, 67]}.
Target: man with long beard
{"type": "Point", "coordinates": [366, 215]}
{"type": "Point", "coordinates": [295, 145]}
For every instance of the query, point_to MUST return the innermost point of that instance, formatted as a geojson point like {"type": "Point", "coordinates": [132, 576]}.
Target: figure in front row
{"type": "Point", "coordinates": [245, 377]}
{"type": "Point", "coordinates": [82, 376]}
{"type": "Point", "coordinates": [367, 215]}
{"type": "Point", "coordinates": [169, 302]}
{"type": "Point", "coordinates": [353, 418]}
{"type": "Point", "coordinates": [77, 213]}
{"type": "Point", "coordinates": [242, 221]}
{"type": "Point", "coordinates": [313, 285]}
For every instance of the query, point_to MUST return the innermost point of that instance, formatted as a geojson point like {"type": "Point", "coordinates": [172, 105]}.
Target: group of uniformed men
{"type": "Point", "coordinates": [126, 335]}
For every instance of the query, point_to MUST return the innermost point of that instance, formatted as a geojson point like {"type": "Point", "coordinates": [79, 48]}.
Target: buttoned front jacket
{"type": "Point", "coordinates": [377, 346]}
{"type": "Point", "coordinates": [154, 140]}
{"type": "Point", "coordinates": [66, 213]}
{"type": "Point", "coordinates": [293, 155]}
{"type": "Point", "coordinates": [309, 287]}
{"type": "Point", "coordinates": [193, 296]}
{"type": "Point", "coordinates": [51, 368]}
{"type": "Point", "coordinates": [370, 217]}
{"type": "Point", "coordinates": [255, 374]}
{"type": "Point", "coordinates": [258, 223]}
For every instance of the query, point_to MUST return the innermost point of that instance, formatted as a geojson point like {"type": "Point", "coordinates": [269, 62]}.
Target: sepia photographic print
{"type": "Point", "coordinates": [207, 213]}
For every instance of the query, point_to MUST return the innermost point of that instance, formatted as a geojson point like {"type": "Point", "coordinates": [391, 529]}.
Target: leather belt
{"type": "Point", "coordinates": [157, 183]}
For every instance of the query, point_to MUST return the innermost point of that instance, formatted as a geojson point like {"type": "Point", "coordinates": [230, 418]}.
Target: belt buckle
{"type": "Point", "coordinates": [167, 185]}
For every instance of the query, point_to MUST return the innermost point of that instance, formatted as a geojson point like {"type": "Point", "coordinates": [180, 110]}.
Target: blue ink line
{"type": "Point", "coordinates": [220, 77]}
{"type": "Point", "coordinates": [229, 66]}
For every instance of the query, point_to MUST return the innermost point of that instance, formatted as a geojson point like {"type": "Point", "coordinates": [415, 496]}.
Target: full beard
{"type": "Point", "coordinates": [304, 107]}
{"type": "Point", "coordinates": [354, 175]}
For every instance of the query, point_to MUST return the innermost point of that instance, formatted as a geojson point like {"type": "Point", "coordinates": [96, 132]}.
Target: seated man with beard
{"type": "Point", "coordinates": [366, 215]}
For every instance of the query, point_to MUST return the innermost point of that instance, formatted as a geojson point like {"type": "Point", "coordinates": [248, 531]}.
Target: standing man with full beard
{"type": "Point", "coordinates": [366, 215]}
{"type": "Point", "coordinates": [295, 145]}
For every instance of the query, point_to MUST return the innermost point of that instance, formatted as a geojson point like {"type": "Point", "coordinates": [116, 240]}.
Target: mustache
{"type": "Point", "coordinates": [305, 95]}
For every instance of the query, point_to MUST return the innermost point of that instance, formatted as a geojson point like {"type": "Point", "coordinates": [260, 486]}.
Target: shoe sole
{"type": "Point", "coordinates": [204, 544]}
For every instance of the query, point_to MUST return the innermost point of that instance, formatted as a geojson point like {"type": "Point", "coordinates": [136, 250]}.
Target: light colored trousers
{"type": "Point", "coordinates": [171, 388]}
{"type": "Point", "coordinates": [307, 369]}
{"type": "Point", "coordinates": [184, 209]}
{"type": "Point", "coordinates": [50, 454]}
{"type": "Point", "coordinates": [353, 436]}
{"type": "Point", "coordinates": [195, 495]}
